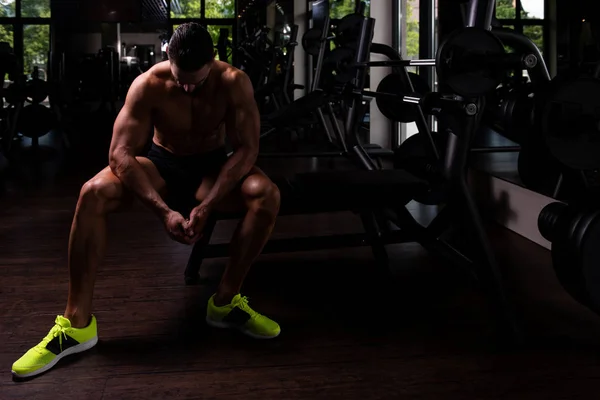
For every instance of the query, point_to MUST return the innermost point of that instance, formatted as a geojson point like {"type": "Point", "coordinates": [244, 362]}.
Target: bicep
{"type": "Point", "coordinates": [133, 124]}
{"type": "Point", "coordinates": [243, 118]}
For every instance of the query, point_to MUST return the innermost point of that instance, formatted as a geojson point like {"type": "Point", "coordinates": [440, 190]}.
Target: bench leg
{"type": "Point", "coordinates": [488, 270]}
{"type": "Point", "coordinates": [192, 269]}
{"type": "Point", "coordinates": [374, 238]}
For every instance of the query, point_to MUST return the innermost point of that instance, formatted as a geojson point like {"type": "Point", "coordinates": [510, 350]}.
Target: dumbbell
{"type": "Point", "coordinates": [574, 231]}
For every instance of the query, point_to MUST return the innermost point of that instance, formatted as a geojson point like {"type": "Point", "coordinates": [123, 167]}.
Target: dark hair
{"type": "Point", "coordinates": [191, 47]}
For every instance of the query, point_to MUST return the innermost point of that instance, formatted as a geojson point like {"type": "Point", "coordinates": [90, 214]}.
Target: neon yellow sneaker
{"type": "Point", "coordinates": [61, 341]}
{"type": "Point", "coordinates": [239, 315]}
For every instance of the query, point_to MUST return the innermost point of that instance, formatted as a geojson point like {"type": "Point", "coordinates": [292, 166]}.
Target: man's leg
{"type": "Point", "coordinates": [76, 331]}
{"type": "Point", "coordinates": [99, 197]}
{"type": "Point", "coordinates": [259, 198]}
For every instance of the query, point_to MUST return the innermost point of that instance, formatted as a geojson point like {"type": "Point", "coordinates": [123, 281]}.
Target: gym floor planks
{"type": "Point", "coordinates": [347, 333]}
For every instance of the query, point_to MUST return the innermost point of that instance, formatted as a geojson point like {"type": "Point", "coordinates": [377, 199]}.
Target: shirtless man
{"type": "Point", "coordinates": [193, 102]}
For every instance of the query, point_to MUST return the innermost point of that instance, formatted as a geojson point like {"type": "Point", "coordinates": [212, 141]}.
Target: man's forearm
{"type": "Point", "coordinates": [133, 176]}
{"type": "Point", "coordinates": [237, 166]}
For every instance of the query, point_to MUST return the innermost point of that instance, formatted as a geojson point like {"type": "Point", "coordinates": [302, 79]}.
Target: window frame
{"type": "Point", "coordinates": [519, 23]}
{"type": "Point", "coordinates": [18, 22]}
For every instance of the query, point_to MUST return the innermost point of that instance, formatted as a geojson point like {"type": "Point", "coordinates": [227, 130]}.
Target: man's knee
{"type": "Point", "coordinates": [261, 194]}
{"type": "Point", "coordinates": [99, 194]}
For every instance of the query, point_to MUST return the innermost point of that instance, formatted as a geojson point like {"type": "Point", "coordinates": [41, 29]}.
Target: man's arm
{"type": "Point", "coordinates": [130, 133]}
{"type": "Point", "coordinates": [243, 129]}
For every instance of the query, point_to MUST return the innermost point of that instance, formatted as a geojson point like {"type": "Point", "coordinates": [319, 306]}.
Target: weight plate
{"type": "Point", "coordinates": [389, 101]}
{"type": "Point", "coordinates": [569, 119]}
{"type": "Point", "coordinates": [36, 120]}
{"type": "Point", "coordinates": [311, 41]}
{"type": "Point", "coordinates": [456, 69]}
{"type": "Point", "coordinates": [338, 66]}
{"type": "Point", "coordinates": [36, 91]}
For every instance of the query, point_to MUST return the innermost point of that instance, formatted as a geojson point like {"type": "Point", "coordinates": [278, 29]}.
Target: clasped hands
{"type": "Point", "coordinates": [186, 231]}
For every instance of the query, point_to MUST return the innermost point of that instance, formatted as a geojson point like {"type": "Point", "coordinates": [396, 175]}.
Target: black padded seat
{"type": "Point", "coordinates": [331, 191]}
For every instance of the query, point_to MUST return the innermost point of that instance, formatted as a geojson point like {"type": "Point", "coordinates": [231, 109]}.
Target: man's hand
{"type": "Point", "coordinates": [176, 226]}
{"type": "Point", "coordinates": [195, 225]}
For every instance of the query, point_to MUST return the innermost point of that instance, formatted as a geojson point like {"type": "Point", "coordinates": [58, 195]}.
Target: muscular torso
{"type": "Point", "coordinates": [189, 123]}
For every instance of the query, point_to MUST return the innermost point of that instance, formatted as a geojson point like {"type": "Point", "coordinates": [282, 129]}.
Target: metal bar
{"type": "Point", "coordinates": [399, 63]}
{"type": "Point", "coordinates": [337, 130]}
{"type": "Point", "coordinates": [521, 43]}
{"type": "Point", "coordinates": [290, 62]}
{"type": "Point", "coordinates": [480, 13]}
{"type": "Point", "coordinates": [497, 149]}
{"type": "Point", "coordinates": [324, 123]}
{"type": "Point", "coordinates": [354, 116]}
{"type": "Point", "coordinates": [313, 243]}
{"type": "Point", "coordinates": [321, 57]}
{"type": "Point", "coordinates": [396, 27]}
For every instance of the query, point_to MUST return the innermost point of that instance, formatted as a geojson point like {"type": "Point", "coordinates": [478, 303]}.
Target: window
{"type": "Point", "coordinates": [36, 45]}
{"type": "Point", "coordinates": [532, 9]}
{"type": "Point", "coordinates": [220, 9]}
{"type": "Point", "coordinates": [185, 9]}
{"type": "Point", "coordinates": [506, 9]}
{"type": "Point", "coordinates": [215, 32]}
{"type": "Point", "coordinates": [412, 31]}
{"type": "Point", "coordinates": [338, 9]}
{"type": "Point", "coordinates": [7, 8]}
{"type": "Point", "coordinates": [525, 16]}
{"type": "Point", "coordinates": [35, 8]}
{"type": "Point", "coordinates": [536, 34]}
{"type": "Point", "coordinates": [7, 36]}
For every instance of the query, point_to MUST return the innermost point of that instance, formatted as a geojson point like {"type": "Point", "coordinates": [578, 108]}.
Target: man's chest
{"type": "Point", "coordinates": [185, 114]}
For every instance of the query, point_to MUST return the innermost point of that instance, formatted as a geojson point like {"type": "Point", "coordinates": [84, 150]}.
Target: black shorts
{"type": "Point", "coordinates": [184, 174]}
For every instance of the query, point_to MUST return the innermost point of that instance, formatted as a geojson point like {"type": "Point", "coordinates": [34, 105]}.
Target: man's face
{"type": "Point", "coordinates": [190, 81]}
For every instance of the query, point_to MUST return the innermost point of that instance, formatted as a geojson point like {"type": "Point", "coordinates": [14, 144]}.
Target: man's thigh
{"type": "Point", "coordinates": [235, 201]}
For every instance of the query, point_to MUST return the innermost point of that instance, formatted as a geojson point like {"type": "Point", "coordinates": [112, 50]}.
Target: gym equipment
{"type": "Point", "coordinates": [574, 231]}
{"type": "Point", "coordinates": [347, 30]}
{"type": "Point", "coordinates": [569, 117]}
{"type": "Point", "coordinates": [456, 66]}
{"type": "Point", "coordinates": [223, 45]}
{"type": "Point", "coordinates": [511, 113]}
{"type": "Point", "coordinates": [337, 66]}
{"type": "Point", "coordinates": [35, 121]}
{"type": "Point", "coordinates": [414, 156]}
{"type": "Point", "coordinates": [311, 41]}
{"type": "Point", "coordinates": [379, 196]}
{"type": "Point", "coordinates": [393, 107]}
{"type": "Point", "coordinates": [560, 157]}
{"type": "Point", "coordinates": [471, 62]}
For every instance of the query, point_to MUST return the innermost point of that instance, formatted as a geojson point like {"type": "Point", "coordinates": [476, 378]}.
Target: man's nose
{"type": "Point", "coordinates": [189, 88]}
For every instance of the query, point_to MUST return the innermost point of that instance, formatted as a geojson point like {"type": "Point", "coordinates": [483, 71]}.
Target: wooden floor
{"type": "Point", "coordinates": [346, 333]}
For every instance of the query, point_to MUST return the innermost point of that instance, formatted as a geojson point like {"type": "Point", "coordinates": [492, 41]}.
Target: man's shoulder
{"type": "Point", "coordinates": [230, 75]}
{"type": "Point", "coordinates": [234, 80]}
{"type": "Point", "coordinates": [158, 76]}
{"type": "Point", "coordinates": [154, 81]}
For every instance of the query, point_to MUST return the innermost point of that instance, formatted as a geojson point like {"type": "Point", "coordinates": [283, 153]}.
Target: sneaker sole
{"type": "Point", "coordinates": [225, 325]}
{"type": "Point", "coordinates": [71, 350]}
